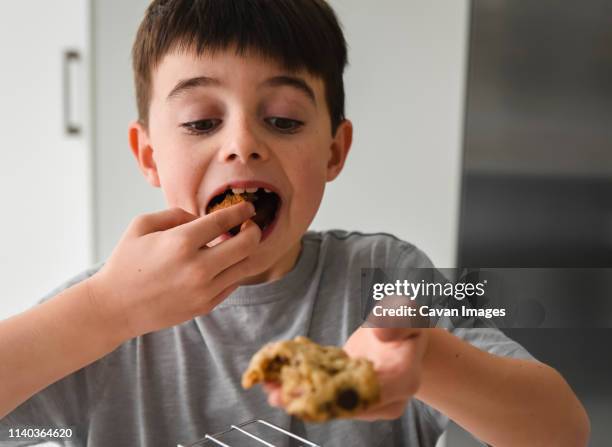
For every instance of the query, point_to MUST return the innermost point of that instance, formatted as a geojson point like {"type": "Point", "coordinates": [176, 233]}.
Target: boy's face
{"type": "Point", "coordinates": [224, 121]}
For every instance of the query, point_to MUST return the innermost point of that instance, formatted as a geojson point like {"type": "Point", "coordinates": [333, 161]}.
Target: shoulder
{"type": "Point", "coordinates": [375, 249]}
{"type": "Point", "coordinates": [81, 276]}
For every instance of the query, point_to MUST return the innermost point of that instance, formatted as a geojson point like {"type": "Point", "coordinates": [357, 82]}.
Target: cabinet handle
{"type": "Point", "coordinates": [71, 57]}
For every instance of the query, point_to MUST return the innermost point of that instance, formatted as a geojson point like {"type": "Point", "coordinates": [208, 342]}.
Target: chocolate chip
{"type": "Point", "coordinates": [275, 365]}
{"type": "Point", "coordinates": [348, 399]}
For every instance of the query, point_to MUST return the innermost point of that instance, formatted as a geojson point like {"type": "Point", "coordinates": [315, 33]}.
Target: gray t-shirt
{"type": "Point", "coordinates": [175, 385]}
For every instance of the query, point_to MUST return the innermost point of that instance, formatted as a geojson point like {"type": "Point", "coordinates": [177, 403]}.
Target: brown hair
{"type": "Point", "coordinates": [297, 34]}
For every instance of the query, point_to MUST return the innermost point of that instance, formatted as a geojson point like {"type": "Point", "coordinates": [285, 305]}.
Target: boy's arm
{"type": "Point", "coordinates": [50, 341]}
{"type": "Point", "coordinates": [160, 274]}
{"type": "Point", "coordinates": [502, 401]}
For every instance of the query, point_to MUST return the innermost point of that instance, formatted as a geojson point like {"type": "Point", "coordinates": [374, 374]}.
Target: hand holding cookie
{"type": "Point", "coordinates": [397, 355]}
{"type": "Point", "coordinates": [313, 382]}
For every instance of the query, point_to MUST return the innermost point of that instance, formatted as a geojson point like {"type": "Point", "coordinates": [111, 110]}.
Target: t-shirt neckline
{"type": "Point", "coordinates": [290, 284]}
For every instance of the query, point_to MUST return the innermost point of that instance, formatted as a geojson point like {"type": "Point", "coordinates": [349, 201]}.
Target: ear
{"type": "Point", "coordinates": [339, 149]}
{"type": "Point", "coordinates": [142, 150]}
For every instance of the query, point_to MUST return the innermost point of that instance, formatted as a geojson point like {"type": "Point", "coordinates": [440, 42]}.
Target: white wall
{"type": "Point", "coordinates": [404, 94]}
{"type": "Point", "coordinates": [121, 191]}
{"type": "Point", "coordinates": [45, 196]}
{"type": "Point", "coordinates": [405, 89]}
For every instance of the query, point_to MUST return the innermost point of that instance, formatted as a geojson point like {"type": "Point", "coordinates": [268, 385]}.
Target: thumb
{"type": "Point", "coordinates": [395, 334]}
{"type": "Point", "coordinates": [160, 221]}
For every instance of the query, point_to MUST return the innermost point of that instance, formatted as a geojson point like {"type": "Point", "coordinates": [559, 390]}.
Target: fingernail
{"type": "Point", "coordinates": [246, 224]}
{"type": "Point", "coordinates": [253, 211]}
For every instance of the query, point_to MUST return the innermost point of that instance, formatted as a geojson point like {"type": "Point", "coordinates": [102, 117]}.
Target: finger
{"type": "Point", "coordinates": [395, 334]}
{"type": "Point", "coordinates": [235, 249]}
{"type": "Point", "coordinates": [235, 273]}
{"type": "Point", "coordinates": [397, 387]}
{"type": "Point", "coordinates": [208, 227]}
{"type": "Point", "coordinates": [274, 395]}
{"type": "Point", "coordinates": [399, 369]}
{"type": "Point", "coordinates": [160, 221]}
{"type": "Point", "coordinates": [219, 298]}
{"type": "Point", "coordinates": [275, 399]}
{"type": "Point", "coordinates": [394, 303]}
{"type": "Point", "coordinates": [270, 387]}
{"type": "Point", "coordinates": [221, 289]}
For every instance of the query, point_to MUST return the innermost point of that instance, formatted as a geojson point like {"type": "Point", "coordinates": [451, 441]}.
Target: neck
{"type": "Point", "coordinates": [279, 269]}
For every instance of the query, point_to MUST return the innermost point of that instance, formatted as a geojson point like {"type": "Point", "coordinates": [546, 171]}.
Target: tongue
{"type": "Point", "coordinates": [264, 212]}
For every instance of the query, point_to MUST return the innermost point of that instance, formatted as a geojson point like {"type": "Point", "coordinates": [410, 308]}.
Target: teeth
{"type": "Point", "coordinates": [251, 190]}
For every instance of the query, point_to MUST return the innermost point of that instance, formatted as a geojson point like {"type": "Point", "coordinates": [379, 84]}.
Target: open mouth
{"type": "Point", "coordinates": [266, 202]}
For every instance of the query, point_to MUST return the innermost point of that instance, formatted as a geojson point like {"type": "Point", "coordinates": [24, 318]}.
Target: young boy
{"type": "Point", "coordinates": [246, 96]}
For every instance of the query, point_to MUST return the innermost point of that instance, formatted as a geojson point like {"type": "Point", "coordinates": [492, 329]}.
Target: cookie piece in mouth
{"type": "Point", "coordinates": [266, 205]}
{"type": "Point", "coordinates": [318, 383]}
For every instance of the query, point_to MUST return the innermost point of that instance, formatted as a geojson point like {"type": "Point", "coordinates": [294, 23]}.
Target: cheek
{"type": "Point", "coordinates": [179, 177]}
{"type": "Point", "coordinates": [309, 184]}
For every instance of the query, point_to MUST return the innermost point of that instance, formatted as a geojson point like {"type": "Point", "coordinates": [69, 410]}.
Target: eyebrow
{"type": "Point", "coordinates": [292, 81]}
{"type": "Point", "coordinates": [276, 81]}
{"type": "Point", "coordinates": [191, 83]}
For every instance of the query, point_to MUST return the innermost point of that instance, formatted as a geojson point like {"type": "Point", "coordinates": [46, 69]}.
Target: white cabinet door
{"type": "Point", "coordinates": [45, 227]}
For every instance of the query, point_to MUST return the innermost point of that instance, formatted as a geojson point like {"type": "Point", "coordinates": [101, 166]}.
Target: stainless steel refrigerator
{"type": "Point", "coordinates": [537, 171]}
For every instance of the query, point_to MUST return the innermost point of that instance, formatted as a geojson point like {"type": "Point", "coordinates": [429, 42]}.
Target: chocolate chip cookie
{"type": "Point", "coordinates": [318, 383]}
{"type": "Point", "coordinates": [266, 203]}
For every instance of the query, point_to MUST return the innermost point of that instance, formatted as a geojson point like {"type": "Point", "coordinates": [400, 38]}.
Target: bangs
{"type": "Point", "coordinates": [296, 34]}
{"type": "Point", "coordinates": [275, 29]}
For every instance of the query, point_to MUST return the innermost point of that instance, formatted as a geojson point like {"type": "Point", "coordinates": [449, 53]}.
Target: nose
{"type": "Point", "coordinates": [243, 145]}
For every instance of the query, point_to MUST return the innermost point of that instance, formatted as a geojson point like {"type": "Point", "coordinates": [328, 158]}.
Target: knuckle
{"type": "Point", "coordinates": [180, 215]}
{"type": "Point", "coordinates": [253, 240]}
{"type": "Point", "coordinates": [180, 244]}
{"type": "Point", "coordinates": [249, 240]}
{"type": "Point", "coordinates": [138, 221]}
{"type": "Point", "coordinates": [205, 269]}
{"type": "Point", "coordinates": [193, 276]}
{"type": "Point", "coordinates": [218, 221]}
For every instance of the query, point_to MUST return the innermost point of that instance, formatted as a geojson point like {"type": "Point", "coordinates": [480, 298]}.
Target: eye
{"type": "Point", "coordinates": [201, 126]}
{"type": "Point", "coordinates": [285, 125]}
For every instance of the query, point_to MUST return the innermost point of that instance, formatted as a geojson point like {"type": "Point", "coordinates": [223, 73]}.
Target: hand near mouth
{"type": "Point", "coordinates": [264, 196]}
{"type": "Point", "coordinates": [161, 273]}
